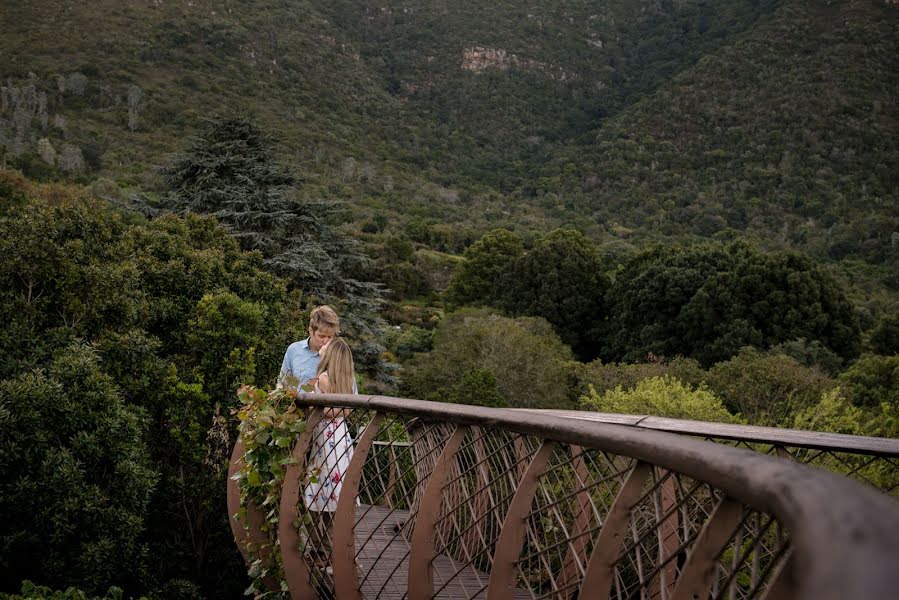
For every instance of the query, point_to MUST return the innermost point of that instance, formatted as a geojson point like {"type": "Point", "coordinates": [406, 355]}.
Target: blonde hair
{"type": "Point", "coordinates": [324, 317]}
{"type": "Point", "coordinates": [338, 362]}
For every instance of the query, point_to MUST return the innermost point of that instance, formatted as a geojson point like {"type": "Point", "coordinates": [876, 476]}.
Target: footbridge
{"type": "Point", "coordinates": [453, 501]}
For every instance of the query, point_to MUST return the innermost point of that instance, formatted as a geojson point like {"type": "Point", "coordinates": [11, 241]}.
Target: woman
{"type": "Point", "coordinates": [332, 445]}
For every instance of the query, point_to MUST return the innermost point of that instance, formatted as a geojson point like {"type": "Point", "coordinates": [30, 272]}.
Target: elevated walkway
{"type": "Point", "coordinates": [451, 501]}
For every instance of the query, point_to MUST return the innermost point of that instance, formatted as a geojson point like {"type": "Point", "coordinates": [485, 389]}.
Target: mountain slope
{"type": "Point", "coordinates": [789, 132]}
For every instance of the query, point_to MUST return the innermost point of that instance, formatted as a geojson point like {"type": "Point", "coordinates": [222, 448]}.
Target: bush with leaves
{"type": "Point", "coordinates": [767, 389]}
{"type": "Point", "coordinates": [603, 377]}
{"type": "Point", "coordinates": [562, 279]}
{"type": "Point", "coordinates": [872, 380]}
{"type": "Point", "coordinates": [524, 355]}
{"type": "Point", "coordinates": [662, 396]}
{"type": "Point", "coordinates": [269, 425]}
{"type": "Point", "coordinates": [487, 265]}
{"type": "Point", "coordinates": [78, 478]}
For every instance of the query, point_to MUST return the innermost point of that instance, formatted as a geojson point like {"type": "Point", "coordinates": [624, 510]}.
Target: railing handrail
{"type": "Point", "coordinates": [818, 440]}
{"type": "Point", "coordinates": [845, 534]}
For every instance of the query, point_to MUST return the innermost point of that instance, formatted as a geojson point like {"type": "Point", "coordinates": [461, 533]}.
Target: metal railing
{"type": "Point", "coordinates": [454, 501]}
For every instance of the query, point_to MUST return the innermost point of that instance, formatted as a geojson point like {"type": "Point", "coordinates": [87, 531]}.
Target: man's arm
{"type": "Point", "coordinates": [285, 370]}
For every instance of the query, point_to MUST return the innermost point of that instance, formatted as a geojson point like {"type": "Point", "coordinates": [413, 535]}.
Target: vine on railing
{"type": "Point", "coordinates": [269, 423]}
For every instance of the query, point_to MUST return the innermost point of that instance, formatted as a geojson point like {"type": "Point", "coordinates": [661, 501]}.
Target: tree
{"type": "Point", "coordinates": [561, 279]}
{"type": "Point", "coordinates": [765, 300]}
{"type": "Point", "coordinates": [228, 170]}
{"type": "Point", "coordinates": [873, 380]}
{"type": "Point", "coordinates": [708, 301]}
{"type": "Point", "coordinates": [480, 278]}
{"type": "Point", "coordinates": [885, 337]}
{"type": "Point", "coordinates": [177, 315]}
{"type": "Point", "coordinates": [523, 355]}
{"type": "Point", "coordinates": [767, 389]}
{"type": "Point", "coordinates": [77, 477]}
{"type": "Point", "coordinates": [660, 397]}
{"type": "Point", "coordinates": [646, 300]}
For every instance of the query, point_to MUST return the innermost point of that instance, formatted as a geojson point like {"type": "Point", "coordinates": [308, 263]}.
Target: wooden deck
{"type": "Point", "coordinates": [383, 561]}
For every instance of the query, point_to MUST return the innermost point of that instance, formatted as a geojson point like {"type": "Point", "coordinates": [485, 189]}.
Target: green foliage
{"type": "Point", "coordinates": [77, 477]}
{"type": "Point", "coordinates": [709, 301]}
{"type": "Point", "coordinates": [269, 424]}
{"type": "Point", "coordinates": [562, 280]}
{"type": "Point", "coordinates": [662, 396]}
{"type": "Point", "coordinates": [767, 299]}
{"type": "Point", "coordinates": [767, 389]}
{"type": "Point", "coordinates": [523, 355]}
{"type": "Point", "coordinates": [409, 340]}
{"type": "Point", "coordinates": [872, 380]}
{"type": "Point", "coordinates": [603, 377]}
{"type": "Point", "coordinates": [646, 300]}
{"type": "Point", "coordinates": [740, 142]}
{"type": "Point", "coordinates": [31, 591]}
{"type": "Point", "coordinates": [179, 315]}
{"type": "Point", "coordinates": [482, 276]}
{"type": "Point", "coordinates": [477, 386]}
{"type": "Point", "coordinates": [885, 337]}
{"type": "Point", "coordinates": [810, 354]}
{"type": "Point", "coordinates": [833, 413]}
{"type": "Point", "coordinates": [228, 170]}
{"type": "Point", "coordinates": [228, 329]}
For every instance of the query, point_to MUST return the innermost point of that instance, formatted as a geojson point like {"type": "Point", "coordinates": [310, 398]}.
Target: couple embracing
{"type": "Point", "coordinates": [323, 363]}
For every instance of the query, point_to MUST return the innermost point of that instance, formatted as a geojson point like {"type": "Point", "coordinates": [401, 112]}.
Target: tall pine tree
{"type": "Point", "coordinates": [229, 170]}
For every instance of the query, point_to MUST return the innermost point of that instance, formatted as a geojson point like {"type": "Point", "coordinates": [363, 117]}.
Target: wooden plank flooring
{"type": "Point", "coordinates": [383, 559]}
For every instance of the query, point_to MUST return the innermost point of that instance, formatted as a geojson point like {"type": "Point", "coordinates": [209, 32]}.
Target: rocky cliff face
{"type": "Point", "coordinates": [478, 59]}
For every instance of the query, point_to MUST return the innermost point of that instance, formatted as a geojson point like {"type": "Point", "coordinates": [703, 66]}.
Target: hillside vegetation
{"type": "Point", "coordinates": [673, 207]}
{"type": "Point", "coordinates": [631, 120]}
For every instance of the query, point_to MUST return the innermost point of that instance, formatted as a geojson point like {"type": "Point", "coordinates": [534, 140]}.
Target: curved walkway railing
{"type": "Point", "coordinates": [454, 501]}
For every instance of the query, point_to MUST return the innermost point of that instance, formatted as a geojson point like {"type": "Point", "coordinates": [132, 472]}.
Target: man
{"type": "Point", "coordinates": [302, 358]}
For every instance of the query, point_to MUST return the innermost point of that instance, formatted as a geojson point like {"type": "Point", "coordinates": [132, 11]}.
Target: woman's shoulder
{"type": "Point", "coordinates": [324, 383]}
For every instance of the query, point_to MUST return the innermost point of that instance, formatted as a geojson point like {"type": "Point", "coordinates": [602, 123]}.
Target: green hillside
{"type": "Point", "coordinates": [682, 208]}
{"type": "Point", "coordinates": [789, 132]}
{"type": "Point", "coordinates": [632, 121]}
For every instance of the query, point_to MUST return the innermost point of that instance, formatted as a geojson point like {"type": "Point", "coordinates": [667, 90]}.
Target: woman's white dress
{"type": "Point", "coordinates": [332, 449]}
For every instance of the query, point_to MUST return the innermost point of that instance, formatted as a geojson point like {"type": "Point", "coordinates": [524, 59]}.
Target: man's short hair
{"type": "Point", "coordinates": [324, 317]}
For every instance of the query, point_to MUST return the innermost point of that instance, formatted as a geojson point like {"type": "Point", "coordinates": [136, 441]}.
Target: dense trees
{"type": "Point", "coordinates": [477, 354]}
{"type": "Point", "coordinates": [708, 301]}
{"type": "Point", "coordinates": [177, 315]}
{"type": "Point", "coordinates": [484, 274]}
{"type": "Point", "coordinates": [647, 297]}
{"type": "Point", "coordinates": [77, 477]}
{"type": "Point", "coordinates": [229, 170]}
{"type": "Point", "coordinates": [562, 280]}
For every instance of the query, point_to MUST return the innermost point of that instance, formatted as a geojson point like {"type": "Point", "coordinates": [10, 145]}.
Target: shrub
{"type": "Point", "coordinates": [767, 389]}
{"type": "Point", "coordinates": [77, 479]}
{"type": "Point", "coordinates": [662, 396]}
{"type": "Point", "coordinates": [524, 355]}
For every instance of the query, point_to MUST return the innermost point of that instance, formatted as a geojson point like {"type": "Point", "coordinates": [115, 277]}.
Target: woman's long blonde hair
{"type": "Point", "coordinates": [338, 362]}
